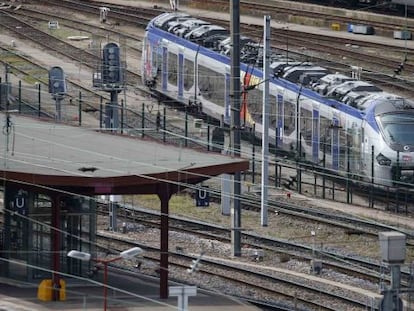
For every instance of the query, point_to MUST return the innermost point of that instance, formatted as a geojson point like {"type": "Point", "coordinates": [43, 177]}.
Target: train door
{"type": "Point", "coordinates": [325, 137]}
{"type": "Point", "coordinates": [344, 142]}
{"type": "Point", "coordinates": [365, 151]}
{"type": "Point", "coordinates": [164, 68]}
{"type": "Point", "coordinates": [335, 143]}
{"type": "Point", "coordinates": [180, 74]}
{"type": "Point", "coordinates": [315, 136]}
{"type": "Point", "coordinates": [354, 144]}
{"type": "Point", "coordinates": [305, 131]}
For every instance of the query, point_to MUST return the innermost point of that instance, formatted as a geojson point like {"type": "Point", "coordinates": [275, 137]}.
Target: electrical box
{"type": "Point", "coordinates": [402, 35]}
{"type": "Point", "coordinates": [392, 246]}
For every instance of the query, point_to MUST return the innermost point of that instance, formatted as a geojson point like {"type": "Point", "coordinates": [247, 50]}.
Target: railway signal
{"type": "Point", "coordinates": [57, 87]}
{"type": "Point", "coordinates": [111, 71]}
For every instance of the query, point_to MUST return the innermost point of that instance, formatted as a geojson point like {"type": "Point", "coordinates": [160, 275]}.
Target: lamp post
{"type": "Point", "coordinates": [127, 254]}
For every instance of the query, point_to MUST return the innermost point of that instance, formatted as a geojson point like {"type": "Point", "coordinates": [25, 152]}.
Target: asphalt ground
{"type": "Point", "coordinates": [126, 291]}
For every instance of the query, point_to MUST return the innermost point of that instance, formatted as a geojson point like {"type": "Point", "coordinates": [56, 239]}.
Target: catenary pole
{"type": "Point", "coordinates": [235, 121]}
{"type": "Point", "coordinates": [265, 118]}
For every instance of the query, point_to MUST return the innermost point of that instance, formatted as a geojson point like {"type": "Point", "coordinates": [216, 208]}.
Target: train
{"type": "Point", "coordinates": [329, 119]}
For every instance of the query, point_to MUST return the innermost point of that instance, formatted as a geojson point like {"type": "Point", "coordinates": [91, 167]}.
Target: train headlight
{"type": "Point", "coordinates": [383, 160]}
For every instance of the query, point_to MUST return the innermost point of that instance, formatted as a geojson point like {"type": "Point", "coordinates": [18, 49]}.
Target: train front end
{"type": "Point", "coordinates": [394, 159]}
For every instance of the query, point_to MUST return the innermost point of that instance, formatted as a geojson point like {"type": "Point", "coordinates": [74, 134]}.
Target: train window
{"type": "Point", "coordinates": [172, 68]}
{"type": "Point", "coordinates": [289, 118]}
{"type": "Point", "coordinates": [306, 126]}
{"type": "Point", "coordinates": [156, 63]}
{"type": "Point", "coordinates": [398, 128]}
{"type": "Point", "coordinates": [154, 60]}
{"type": "Point", "coordinates": [326, 135]}
{"type": "Point", "coordinates": [188, 74]}
{"type": "Point", "coordinates": [211, 85]}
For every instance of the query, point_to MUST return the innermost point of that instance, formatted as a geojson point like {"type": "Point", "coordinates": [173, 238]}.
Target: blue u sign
{"type": "Point", "coordinates": [202, 196]}
{"type": "Point", "coordinates": [19, 203]}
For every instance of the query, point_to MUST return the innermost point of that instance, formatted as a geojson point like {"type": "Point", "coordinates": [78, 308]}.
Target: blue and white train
{"type": "Point", "coordinates": [352, 126]}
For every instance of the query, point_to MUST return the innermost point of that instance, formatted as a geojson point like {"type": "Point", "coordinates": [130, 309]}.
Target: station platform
{"type": "Point", "coordinates": [125, 292]}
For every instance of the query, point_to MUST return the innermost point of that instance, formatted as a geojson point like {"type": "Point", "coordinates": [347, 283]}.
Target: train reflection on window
{"type": "Point", "coordinates": [211, 85]}
{"type": "Point", "coordinates": [172, 68]}
{"type": "Point", "coordinates": [188, 74]}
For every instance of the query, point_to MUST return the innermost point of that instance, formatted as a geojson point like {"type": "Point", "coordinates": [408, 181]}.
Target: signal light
{"type": "Point", "coordinates": [57, 81]}
{"type": "Point", "coordinates": [112, 71]}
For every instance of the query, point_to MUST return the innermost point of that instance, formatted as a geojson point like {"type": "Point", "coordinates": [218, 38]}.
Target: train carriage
{"type": "Point", "coordinates": [327, 119]}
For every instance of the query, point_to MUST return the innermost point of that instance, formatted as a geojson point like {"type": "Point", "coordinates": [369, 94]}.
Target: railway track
{"type": "Point", "coordinates": [318, 44]}
{"type": "Point", "coordinates": [135, 119]}
{"type": "Point", "coordinates": [274, 280]}
{"type": "Point", "coordinates": [378, 66]}
{"type": "Point", "coordinates": [332, 255]}
{"type": "Point", "coordinates": [273, 286]}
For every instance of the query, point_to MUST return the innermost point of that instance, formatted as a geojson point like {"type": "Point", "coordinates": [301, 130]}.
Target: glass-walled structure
{"type": "Point", "coordinates": [36, 227]}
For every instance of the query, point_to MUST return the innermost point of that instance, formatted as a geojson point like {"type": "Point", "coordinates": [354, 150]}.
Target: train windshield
{"type": "Point", "coordinates": [398, 128]}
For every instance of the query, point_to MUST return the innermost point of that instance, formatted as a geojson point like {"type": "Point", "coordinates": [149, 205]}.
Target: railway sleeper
{"type": "Point", "coordinates": [354, 232]}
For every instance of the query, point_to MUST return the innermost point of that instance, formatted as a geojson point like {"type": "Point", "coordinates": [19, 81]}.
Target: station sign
{"type": "Point", "coordinates": [202, 196]}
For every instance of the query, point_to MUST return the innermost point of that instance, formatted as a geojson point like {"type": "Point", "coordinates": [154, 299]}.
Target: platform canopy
{"type": "Point", "coordinates": [91, 162]}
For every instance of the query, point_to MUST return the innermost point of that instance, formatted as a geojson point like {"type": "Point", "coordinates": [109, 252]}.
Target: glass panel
{"type": "Point", "coordinates": [290, 120]}
{"type": "Point", "coordinates": [398, 128]}
{"type": "Point", "coordinates": [188, 74]}
{"type": "Point", "coordinates": [172, 68]}
{"type": "Point", "coordinates": [326, 135]}
{"type": "Point", "coordinates": [306, 126]}
{"type": "Point", "coordinates": [211, 85]}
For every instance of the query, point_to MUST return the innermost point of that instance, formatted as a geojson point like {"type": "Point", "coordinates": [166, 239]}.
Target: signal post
{"type": "Point", "coordinates": [110, 78]}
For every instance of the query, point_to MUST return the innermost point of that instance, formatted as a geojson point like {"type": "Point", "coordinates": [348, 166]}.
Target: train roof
{"type": "Point", "coordinates": [205, 31]}
{"type": "Point", "coordinates": [162, 20]}
{"type": "Point", "coordinates": [391, 103]}
{"type": "Point", "coordinates": [352, 86]}
{"type": "Point", "coordinates": [335, 78]}
{"type": "Point", "coordinates": [309, 79]}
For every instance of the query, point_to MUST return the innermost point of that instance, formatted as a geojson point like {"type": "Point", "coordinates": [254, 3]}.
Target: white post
{"type": "Point", "coordinates": [182, 293]}
{"type": "Point", "coordinates": [265, 118]}
{"type": "Point", "coordinates": [225, 194]}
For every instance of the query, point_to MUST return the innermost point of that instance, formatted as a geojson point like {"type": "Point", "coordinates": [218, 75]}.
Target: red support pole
{"type": "Point", "coordinates": [105, 283]}
{"type": "Point", "coordinates": [55, 246]}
